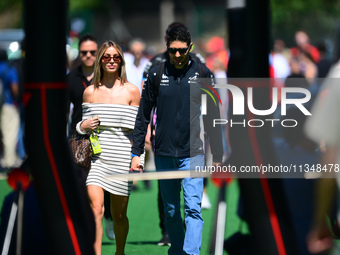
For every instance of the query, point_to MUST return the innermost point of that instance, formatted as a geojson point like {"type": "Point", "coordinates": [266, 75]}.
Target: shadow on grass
{"type": "Point", "coordinates": [109, 243]}
{"type": "Point", "coordinates": [136, 243]}
{"type": "Point", "coordinates": [144, 243]}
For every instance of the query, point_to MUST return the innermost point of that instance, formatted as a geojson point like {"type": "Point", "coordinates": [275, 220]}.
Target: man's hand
{"type": "Point", "coordinates": [319, 239]}
{"type": "Point", "coordinates": [135, 164]}
{"type": "Point", "coordinates": [219, 174]}
{"type": "Point", "coordinates": [216, 164]}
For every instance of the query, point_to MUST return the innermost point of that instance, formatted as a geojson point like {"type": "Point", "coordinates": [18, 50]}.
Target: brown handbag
{"type": "Point", "coordinates": [81, 150]}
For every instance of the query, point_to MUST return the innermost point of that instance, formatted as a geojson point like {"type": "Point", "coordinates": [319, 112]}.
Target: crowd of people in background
{"type": "Point", "coordinates": [304, 60]}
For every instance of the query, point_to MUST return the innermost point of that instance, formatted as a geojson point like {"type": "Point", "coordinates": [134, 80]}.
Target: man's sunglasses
{"type": "Point", "coordinates": [107, 58]}
{"type": "Point", "coordinates": [180, 50]}
{"type": "Point", "coordinates": [84, 52]}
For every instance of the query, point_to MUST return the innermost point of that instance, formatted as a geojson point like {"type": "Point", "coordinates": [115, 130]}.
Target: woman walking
{"type": "Point", "coordinates": [110, 106]}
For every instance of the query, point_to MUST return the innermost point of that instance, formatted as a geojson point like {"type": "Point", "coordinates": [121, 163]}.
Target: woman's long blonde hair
{"type": "Point", "coordinates": [98, 71]}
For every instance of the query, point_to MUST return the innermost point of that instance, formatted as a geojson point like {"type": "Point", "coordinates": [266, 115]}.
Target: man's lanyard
{"type": "Point", "coordinates": [85, 86]}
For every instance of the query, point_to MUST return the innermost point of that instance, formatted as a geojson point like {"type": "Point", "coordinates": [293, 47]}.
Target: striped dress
{"type": "Point", "coordinates": [117, 122]}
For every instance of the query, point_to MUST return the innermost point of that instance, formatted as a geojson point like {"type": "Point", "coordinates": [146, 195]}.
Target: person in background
{"type": "Point", "coordinates": [323, 127]}
{"type": "Point", "coordinates": [294, 148]}
{"type": "Point", "coordinates": [303, 44]}
{"type": "Point", "coordinates": [81, 77]}
{"type": "Point", "coordinates": [136, 64]}
{"type": "Point", "coordinates": [216, 49]}
{"type": "Point", "coordinates": [325, 64]}
{"type": "Point", "coordinates": [10, 113]}
{"type": "Point", "coordinates": [18, 64]}
{"type": "Point", "coordinates": [220, 74]}
{"type": "Point", "coordinates": [308, 67]}
{"type": "Point", "coordinates": [296, 77]}
{"type": "Point", "coordinates": [279, 61]}
{"type": "Point", "coordinates": [217, 62]}
{"type": "Point", "coordinates": [78, 80]}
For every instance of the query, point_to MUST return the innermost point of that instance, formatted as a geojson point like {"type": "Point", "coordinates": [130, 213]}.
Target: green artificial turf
{"type": "Point", "coordinates": [144, 230]}
{"type": "Point", "coordinates": [144, 221]}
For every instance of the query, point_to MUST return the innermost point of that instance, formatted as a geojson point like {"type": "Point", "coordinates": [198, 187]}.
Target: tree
{"type": "Point", "coordinates": [318, 18]}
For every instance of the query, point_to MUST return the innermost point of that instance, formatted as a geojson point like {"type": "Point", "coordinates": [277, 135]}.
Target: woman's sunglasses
{"type": "Point", "coordinates": [107, 58]}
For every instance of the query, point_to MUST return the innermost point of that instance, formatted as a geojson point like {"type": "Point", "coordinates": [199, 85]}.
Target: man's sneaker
{"type": "Point", "coordinates": [109, 229]}
{"type": "Point", "coordinates": [205, 201]}
{"type": "Point", "coordinates": [165, 241]}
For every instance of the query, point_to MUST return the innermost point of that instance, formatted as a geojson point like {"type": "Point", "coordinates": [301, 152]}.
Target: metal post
{"type": "Point", "coordinates": [67, 217]}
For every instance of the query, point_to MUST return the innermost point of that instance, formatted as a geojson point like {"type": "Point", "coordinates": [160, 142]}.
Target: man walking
{"type": "Point", "coordinates": [10, 116]}
{"type": "Point", "coordinates": [177, 96]}
{"type": "Point", "coordinates": [156, 60]}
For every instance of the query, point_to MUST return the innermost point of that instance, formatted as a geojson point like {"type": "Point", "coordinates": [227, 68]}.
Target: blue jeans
{"type": "Point", "coordinates": [190, 242]}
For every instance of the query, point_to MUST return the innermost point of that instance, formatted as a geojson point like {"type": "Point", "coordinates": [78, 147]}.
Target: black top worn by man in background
{"type": "Point", "coordinates": [177, 137]}
{"type": "Point", "coordinates": [81, 77]}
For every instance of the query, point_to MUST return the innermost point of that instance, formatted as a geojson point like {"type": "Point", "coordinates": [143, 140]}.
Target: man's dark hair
{"type": "Point", "coordinates": [173, 24]}
{"type": "Point", "coordinates": [178, 33]}
{"type": "Point", "coordinates": [87, 37]}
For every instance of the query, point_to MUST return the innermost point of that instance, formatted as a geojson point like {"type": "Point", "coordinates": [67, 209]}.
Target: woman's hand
{"type": "Point", "coordinates": [90, 124]}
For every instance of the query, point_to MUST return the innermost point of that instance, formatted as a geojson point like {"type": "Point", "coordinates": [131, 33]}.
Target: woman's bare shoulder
{"type": "Point", "coordinates": [131, 87]}
{"type": "Point", "coordinates": [90, 88]}
{"type": "Point", "coordinates": [88, 94]}
{"type": "Point", "coordinates": [134, 93]}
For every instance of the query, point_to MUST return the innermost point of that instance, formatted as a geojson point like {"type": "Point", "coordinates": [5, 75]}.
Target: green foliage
{"type": "Point", "coordinates": [9, 4]}
{"type": "Point", "coordinates": [75, 5]}
{"type": "Point", "coordinates": [4, 4]}
{"type": "Point", "coordinates": [318, 18]}
{"type": "Point", "coordinates": [285, 10]}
